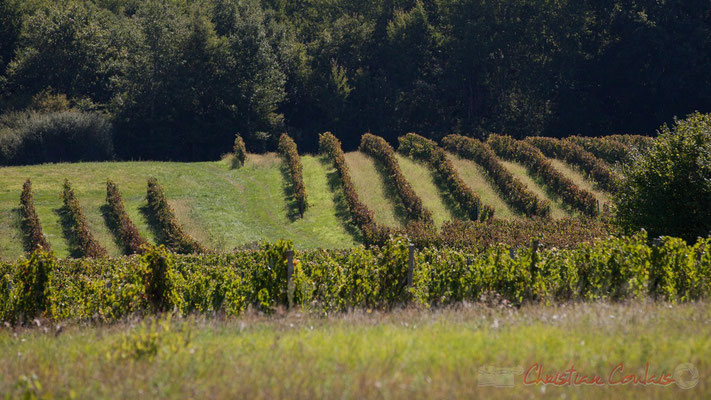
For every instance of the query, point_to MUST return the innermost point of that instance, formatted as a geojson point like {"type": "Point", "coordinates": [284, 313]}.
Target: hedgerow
{"type": "Point", "coordinates": [537, 164]}
{"type": "Point", "coordinates": [288, 150]}
{"type": "Point", "coordinates": [515, 193]}
{"type": "Point", "coordinates": [129, 237]}
{"type": "Point", "coordinates": [81, 237]}
{"type": "Point", "coordinates": [33, 237]}
{"type": "Point", "coordinates": [579, 157]}
{"type": "Point", "coordinates": [426, 150]}
{"type": "Point", "coordinates": [604, 148]}
{"type": "Point", "coordinates": [361, 215]}
{"type": "Point", "coordinates": [380, 150]}
{"type": "Point", "coordinates": [336, 280]}
{"type": "Point", "coordinates": [173, 235]}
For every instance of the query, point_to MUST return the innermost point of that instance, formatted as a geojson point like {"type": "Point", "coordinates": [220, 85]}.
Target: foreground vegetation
{"type": "Point", "coordinates": [379, 277]}
{"type": "Point", "coordinates": [404, 354]}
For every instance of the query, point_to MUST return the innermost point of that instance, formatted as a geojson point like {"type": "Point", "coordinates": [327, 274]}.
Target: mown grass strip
{"type": "Point", "coordinates": [360, 214]}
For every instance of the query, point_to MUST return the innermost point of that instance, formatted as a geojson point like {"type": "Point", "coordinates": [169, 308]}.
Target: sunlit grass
{"type": "Point", "coordinates": [475, 177]}
{"type": "Point", "coordinates": [423, 183]}
{"type": "Point", "coordinates": [222, 207]}
{"type": "Point", "coordinates": [372, 190]}
{"type": "Point", "coordinates": [396, 355]}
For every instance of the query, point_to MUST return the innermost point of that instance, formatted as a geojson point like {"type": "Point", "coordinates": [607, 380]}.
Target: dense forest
{"type": "Point", "coordinates": [177, 79]}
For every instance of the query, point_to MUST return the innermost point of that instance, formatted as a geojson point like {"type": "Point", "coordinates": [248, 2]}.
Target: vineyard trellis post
{"type": "Point", "coordinates": [289, 274]}
{"type": "Point", "coordinates": [410, 264]}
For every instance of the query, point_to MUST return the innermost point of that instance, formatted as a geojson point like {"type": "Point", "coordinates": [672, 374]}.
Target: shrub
{"type": "Point", "coordinates": [288, 150]}
{"type": "Point", "coordinates": [126, 232]}
{"type": "Point", "coordinates": [379, 149]}
{"type": "Point", "coordinates": [667, 188]}
{"type": "Point", "coordinates": [86, 245]}
{"type": "Point", "coordinates": [424, 149]}
{"type": "Point", "coordinates": [31, 228]}
{"type": "Point", "coordinates": [635, 142]}
{"type": "Point", "coordinates": [361, 215]}
{"type": "Point", "coordinates": [577, 156]}
{"type": "Point", "coordinates": [174, 236]}
{"type": "Point", "coordinates": [513, 191]}
{"type": "Point", "coordinates": [240, 152]}
{"type": "Point", "coordinates": [69, 136]}
{"type": "Point", "coordinates": [537, 164]}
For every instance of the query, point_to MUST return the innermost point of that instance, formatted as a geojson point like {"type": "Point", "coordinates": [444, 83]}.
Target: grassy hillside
{"type": "Point", "coordinates": [558, 210]}
{"type": "Point", "coordinates": [373, 191]}
{"type": "Point", "coordinates": [475, 177]}
{"type": "Point", "coordinates": [423, 183]}
{"type": "Point", "coordinates": [220, 207]}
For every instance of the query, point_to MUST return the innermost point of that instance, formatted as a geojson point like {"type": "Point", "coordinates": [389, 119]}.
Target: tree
{"type": "Point", "coordinates": [667, 188]}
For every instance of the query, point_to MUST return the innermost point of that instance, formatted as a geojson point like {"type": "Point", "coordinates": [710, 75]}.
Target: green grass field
{"type": "Point", "coordinates": [423, 183]}
{"type": "Point", "coordinates": [405, 354]}
{"type": "Point", "coordinates": [226, 208]}
{"type": "Point", "coordinates": [223, 208]}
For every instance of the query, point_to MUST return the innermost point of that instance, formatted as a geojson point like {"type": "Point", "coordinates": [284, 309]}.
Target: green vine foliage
{"type": "Point", "coordinates": [126, 231]}
{"type": "Point", "coordinates": [108, 289]}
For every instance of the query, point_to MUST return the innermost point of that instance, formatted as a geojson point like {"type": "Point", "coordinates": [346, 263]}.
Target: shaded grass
{"type": "Point", "coordinates": [373, 191]}
{"type": "Point", "coordinates": [475, 177]}
{"type": "Point", "coordinates": [579, 179]}
{"type": "Point", "coordinates": [222, 207]}
{"type": "Point", "coordinates": [558, 209]}
{"type": "Point", "coordinates": [406, 354]}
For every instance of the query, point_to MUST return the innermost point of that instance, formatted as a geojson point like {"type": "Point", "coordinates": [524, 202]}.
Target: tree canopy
{"type": "Point", "coordinates": [179, 78]}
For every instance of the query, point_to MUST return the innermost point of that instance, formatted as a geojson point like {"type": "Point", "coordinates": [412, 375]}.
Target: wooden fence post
{"type": "Point", "coordinates": [410, 264]}
{"type": "Point", "coordinates": [289, 274]}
